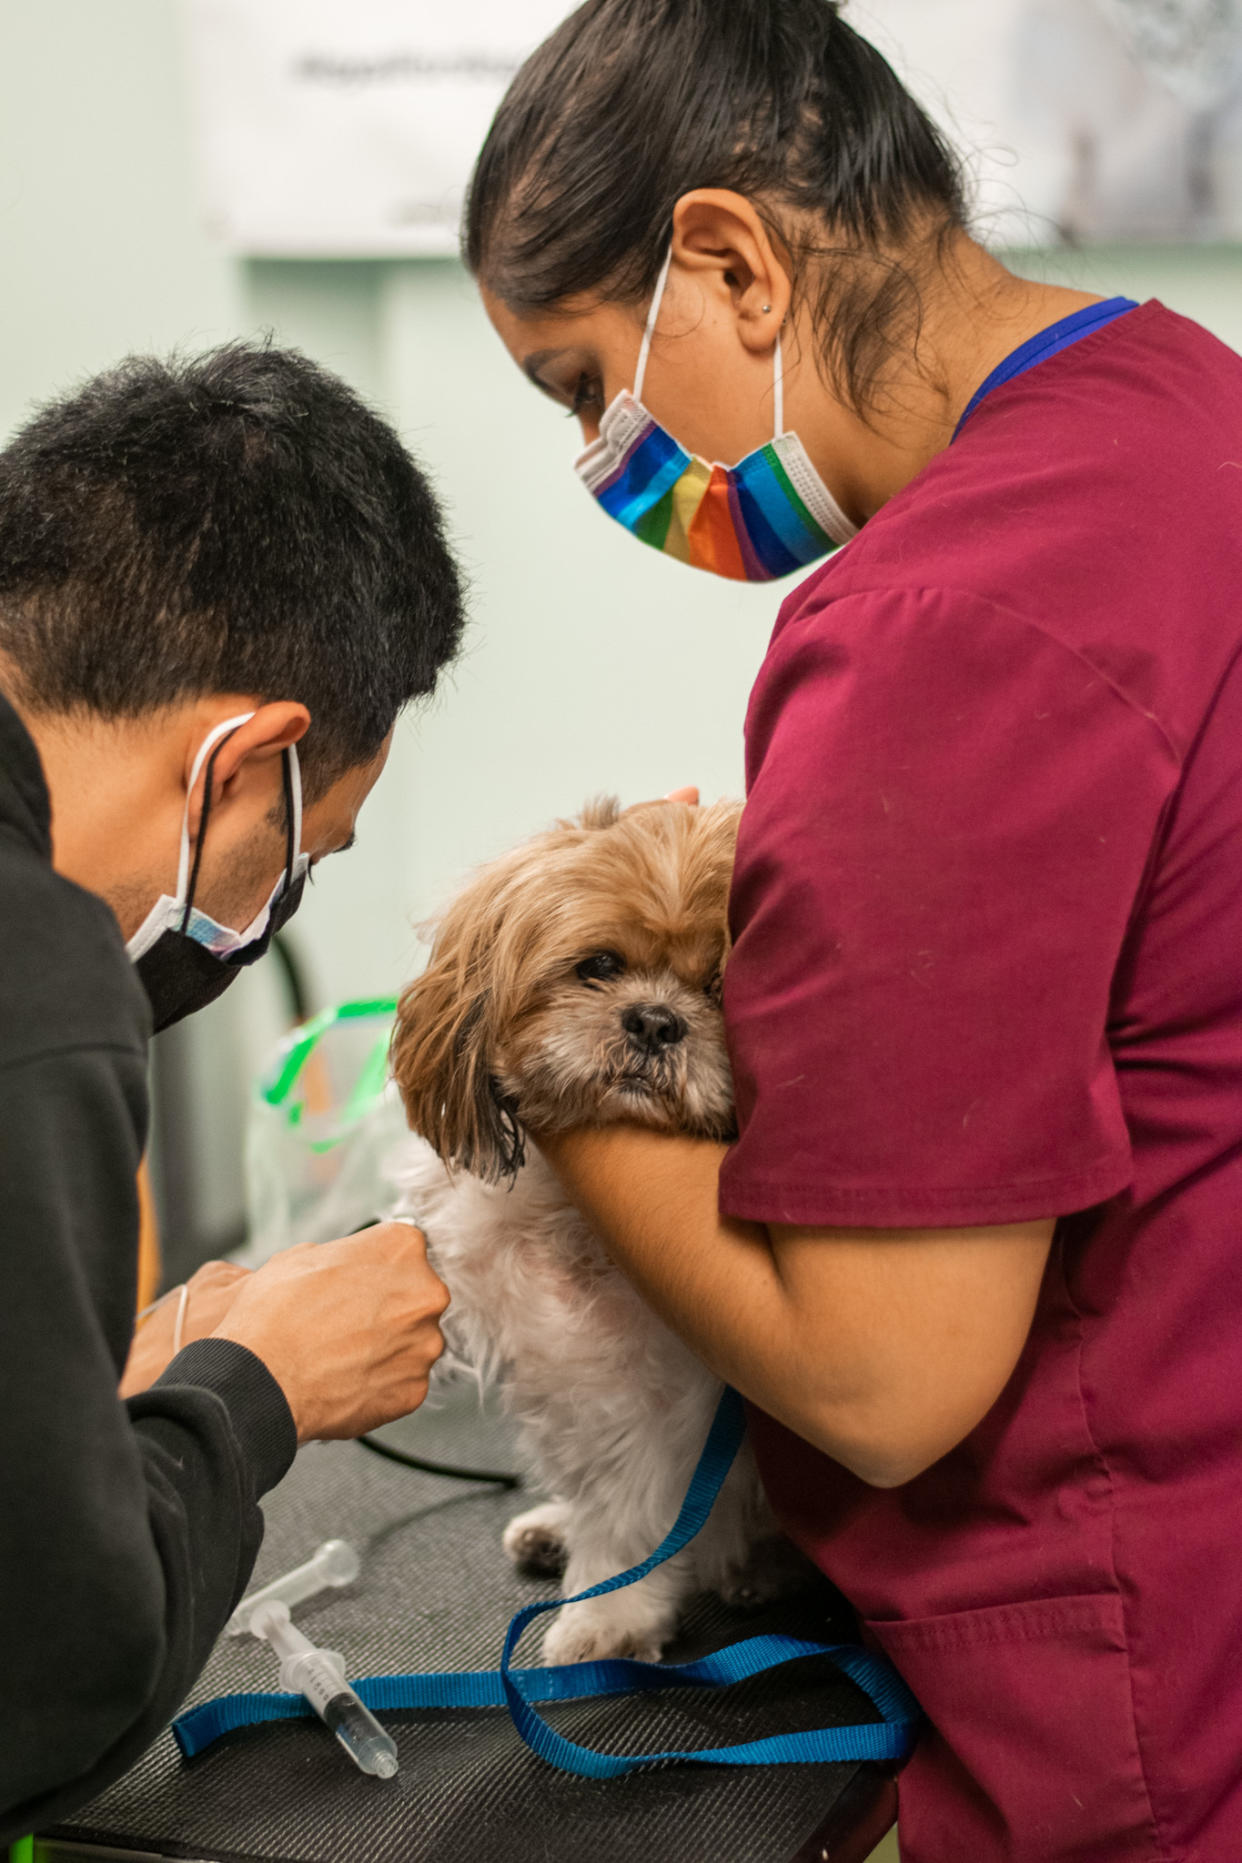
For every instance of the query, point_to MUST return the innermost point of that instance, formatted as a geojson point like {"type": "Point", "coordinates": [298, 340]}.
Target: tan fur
{"type": "Point", "coordinates": [650, 883]}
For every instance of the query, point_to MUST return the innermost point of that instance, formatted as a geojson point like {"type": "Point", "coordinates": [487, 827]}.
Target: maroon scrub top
{"type": "Point", "coordinates": [988, 967]}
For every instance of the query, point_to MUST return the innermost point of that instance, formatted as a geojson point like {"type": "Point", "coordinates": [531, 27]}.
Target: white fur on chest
{"type": "Point", "coordinates": [538, 1306]}
{"type": "Point", "coordinates": [614, 1409]}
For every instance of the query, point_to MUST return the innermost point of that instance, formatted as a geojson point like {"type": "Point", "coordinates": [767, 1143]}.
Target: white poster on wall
{"type": "Point", "coordinates": [349, 127]}
{"type": "Point", "coordinates": [1081, 120]}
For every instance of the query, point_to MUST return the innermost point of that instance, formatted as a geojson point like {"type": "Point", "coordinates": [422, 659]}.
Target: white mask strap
{"type": "Point", "coordinates": [295, 791]}
{"type": "Point", "coordinates": [640, 371]}
{"type": "Point", "coordinates": [217, 731]}
{"type": "Point", "coordinates": [649, 332]}
{"type": "Point", "coordinates": [778, 389]}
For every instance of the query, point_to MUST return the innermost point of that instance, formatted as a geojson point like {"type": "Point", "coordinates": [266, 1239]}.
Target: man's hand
{"type": "Point", "coordinates": [208, 1295]}
{"type": "Point", "coordinates": [349, 1330]}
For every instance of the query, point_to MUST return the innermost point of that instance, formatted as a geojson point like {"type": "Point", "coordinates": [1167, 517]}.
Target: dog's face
{"type": "Point", "coordinates": [576, 981]}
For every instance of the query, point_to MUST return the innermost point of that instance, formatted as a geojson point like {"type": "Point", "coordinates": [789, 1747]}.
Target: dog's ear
{"type": "Point", "coordinates": [444, 1053]}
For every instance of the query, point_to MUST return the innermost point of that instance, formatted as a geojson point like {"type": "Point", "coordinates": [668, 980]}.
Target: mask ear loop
{"type": "Point", "coordinates": [223, 731]}
{"type": "Point", "coordinates": [640, 371]}
{"type": "Point", "coordinates": [778, 389]}
{"type": "Point", "coordinates": [645, 347]}
{"type": "Point", "coordinates": [201, 837]}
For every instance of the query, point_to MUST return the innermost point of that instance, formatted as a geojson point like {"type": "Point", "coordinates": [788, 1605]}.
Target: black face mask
{"type": "Point", "coordinates": [181, 975]}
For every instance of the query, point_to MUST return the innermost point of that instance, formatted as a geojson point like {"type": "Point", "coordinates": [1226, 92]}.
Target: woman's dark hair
{"type": "Point", "coordinates": [630, 103]}
{"type": "Point", "coordinates": [233, 522]}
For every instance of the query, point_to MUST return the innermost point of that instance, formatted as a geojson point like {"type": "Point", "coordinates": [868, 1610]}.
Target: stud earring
{"type": "Point", "coordinates": [766, 309]}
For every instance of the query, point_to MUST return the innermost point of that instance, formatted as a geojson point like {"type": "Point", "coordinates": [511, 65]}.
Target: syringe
{"type": "Point", "coordinates": [335, 1563]}
{"type": "Point", "coordinates": [320, 1676]}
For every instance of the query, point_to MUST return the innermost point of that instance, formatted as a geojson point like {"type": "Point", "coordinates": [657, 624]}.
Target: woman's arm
{"type": "Point", "coordinates": [883, 1347]}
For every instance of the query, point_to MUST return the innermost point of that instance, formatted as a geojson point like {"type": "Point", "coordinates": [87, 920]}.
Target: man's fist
{"type": "Point", "coordinates": [349, 1330]}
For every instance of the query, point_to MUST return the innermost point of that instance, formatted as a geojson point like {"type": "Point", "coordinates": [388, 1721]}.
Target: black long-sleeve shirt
{"type": "Point", "coordinates": [127, 1531]}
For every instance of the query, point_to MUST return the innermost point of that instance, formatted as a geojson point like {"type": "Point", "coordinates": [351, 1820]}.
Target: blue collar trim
{"type": "Point", "coordinates": [1046, 343]}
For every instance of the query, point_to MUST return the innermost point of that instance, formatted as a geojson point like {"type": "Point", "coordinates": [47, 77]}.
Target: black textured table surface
{"type": "Point", "coordinates": [436, 1592]}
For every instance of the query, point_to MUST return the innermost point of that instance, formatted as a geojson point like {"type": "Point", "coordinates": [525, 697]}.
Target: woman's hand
{"type": "Point", "coordinates": [207, 1298]}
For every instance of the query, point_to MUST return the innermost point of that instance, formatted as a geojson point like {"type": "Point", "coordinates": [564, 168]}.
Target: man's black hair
{"type": "Point", "coordinates": [235, 522]}
{"type": "Point", "coordinates": [629, 104]}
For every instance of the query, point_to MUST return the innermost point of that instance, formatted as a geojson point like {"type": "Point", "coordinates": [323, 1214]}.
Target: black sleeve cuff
{"type": "Point", "coordinates": [258, 1409]}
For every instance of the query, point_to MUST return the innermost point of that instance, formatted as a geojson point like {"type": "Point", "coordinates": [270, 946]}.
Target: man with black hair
{"type": "Point", "coordinates": [220, 582]}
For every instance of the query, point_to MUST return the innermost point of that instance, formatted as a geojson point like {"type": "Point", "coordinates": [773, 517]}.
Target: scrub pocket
{"type": "Point", "coordinates": [1031, 1755]}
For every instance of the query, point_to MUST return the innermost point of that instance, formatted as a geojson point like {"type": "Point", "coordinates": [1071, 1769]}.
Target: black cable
{"type": "Point", "coordinates": [448, 1469]}
{"type": "Point", "coordinates": [284, 950]}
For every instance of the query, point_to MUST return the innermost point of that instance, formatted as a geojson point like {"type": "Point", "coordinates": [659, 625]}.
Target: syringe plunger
{"type": "Point", "coordinates": [335, 1563]}
{"type": "Point", "coordinates": [319, 1675]}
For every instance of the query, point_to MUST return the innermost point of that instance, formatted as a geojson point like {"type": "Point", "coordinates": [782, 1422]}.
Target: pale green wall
{"type": "Point", "coordinates": [100, 250]}
{"type": "Point", "coordinates": [593, 664]}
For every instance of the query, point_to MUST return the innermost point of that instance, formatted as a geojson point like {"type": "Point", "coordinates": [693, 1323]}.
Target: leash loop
{"type": "Point", "coordinates": [889, 1738]}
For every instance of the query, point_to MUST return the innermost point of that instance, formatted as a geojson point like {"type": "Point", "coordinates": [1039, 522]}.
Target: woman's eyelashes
{"type": "Point", "coordinates": [587, 393]}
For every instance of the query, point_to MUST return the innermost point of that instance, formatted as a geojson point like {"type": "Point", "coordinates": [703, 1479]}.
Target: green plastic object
{"type": "Point", "coordinates": [324, 1121]}
{"type": "Point", "coordinates": [281, 1090]}
{"type": "Point", "coordinates": [22, 1851]}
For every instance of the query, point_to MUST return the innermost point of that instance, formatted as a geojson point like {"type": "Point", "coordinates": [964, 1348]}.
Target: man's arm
{"type": "Point", "coordinates": [128, 1531]}
{"type": "Point", "coordinates": [882, 1347]}
{"type": "Point", "coordinates": [125, 1536]}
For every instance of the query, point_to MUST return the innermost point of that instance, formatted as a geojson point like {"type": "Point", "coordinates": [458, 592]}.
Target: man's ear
{"type": "Point", "coordinates": [247, 748]}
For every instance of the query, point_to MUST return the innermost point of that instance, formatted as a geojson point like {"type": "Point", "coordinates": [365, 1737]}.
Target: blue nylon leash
{"type": "Point", "coordinates": [889, 1738]}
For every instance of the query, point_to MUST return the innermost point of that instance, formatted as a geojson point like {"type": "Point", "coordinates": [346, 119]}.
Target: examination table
{"type": "Point", "coordinates": [436, 1592]}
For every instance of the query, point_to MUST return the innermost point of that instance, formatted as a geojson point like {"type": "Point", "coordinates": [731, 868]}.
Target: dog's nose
{"type": "Point", "coordinates": [652, 1026]}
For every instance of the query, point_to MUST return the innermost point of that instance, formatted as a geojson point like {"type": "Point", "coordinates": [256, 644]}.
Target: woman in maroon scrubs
{"type": "Point", "coordinates": [976, 1256]}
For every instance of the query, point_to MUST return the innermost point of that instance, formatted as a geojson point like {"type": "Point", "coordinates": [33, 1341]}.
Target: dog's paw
{"type": "Point", "coordinates": [772, 1569]}
{"type": "Point", "coordinates": [538, 1540]}
{"type": "Point", "coordinates": [583, 1634]}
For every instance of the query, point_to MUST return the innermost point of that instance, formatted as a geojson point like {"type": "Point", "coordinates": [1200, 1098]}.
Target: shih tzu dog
{"type": "Point", "coordinates": [576, 982]}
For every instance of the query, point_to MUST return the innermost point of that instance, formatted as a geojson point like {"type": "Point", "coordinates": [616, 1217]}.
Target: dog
{"type": "Point", "coordinates": [576, 981]}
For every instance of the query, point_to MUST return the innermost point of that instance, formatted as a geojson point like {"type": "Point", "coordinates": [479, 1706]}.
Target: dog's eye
{"type": "Point", "coordinates": [601, 966]}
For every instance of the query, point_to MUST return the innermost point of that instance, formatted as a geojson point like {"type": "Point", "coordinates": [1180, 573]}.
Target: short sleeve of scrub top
{"type": "Point", "coordinates": [948, 822]}
{"type": "Point", "coordinates": [957, 767]}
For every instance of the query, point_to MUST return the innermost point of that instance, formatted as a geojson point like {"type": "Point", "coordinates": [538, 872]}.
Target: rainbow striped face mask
{"type": "Point", "coordinates": [766, 516]}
